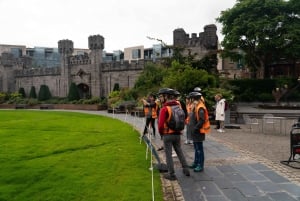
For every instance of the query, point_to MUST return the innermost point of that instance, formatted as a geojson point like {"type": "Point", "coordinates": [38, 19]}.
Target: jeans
{"type": "Point", "coordinates": [199, 154]}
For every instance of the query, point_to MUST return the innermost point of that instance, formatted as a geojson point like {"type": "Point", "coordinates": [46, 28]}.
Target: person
{"type": "Point", "coordinates": [171, 138]}
{"type": "Point", "coordinates": [200, 125]}
{"type": "Point", "coordinates": [150, 110]}
{"type": "Point", "coordinates": [187, 120]}
{"type": "Point", "coordinates": [220, 112]}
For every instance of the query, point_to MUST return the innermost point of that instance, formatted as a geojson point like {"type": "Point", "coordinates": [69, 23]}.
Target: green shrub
{"type": "Point", "coordinates": [44, 93]}
{"type": "Point", "coordinates": [32, 93]}
{"type": "Point", "coordinates": [73, 92]}
{"type": "Point", "coordinates": [22, 92]}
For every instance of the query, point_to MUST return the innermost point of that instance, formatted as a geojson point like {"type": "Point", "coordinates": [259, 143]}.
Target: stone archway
{"type": "Point", "coordinates": [84, 91]}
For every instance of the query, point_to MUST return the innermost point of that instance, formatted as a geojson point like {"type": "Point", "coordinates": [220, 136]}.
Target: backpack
{"type": "Point", "coordinates": [226, 106]}
{"type": "Point", "coordinates": [176, 120]}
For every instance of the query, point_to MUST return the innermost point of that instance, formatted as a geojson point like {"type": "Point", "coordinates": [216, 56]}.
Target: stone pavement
{"type": "Point", "coordinates": [239, 165]}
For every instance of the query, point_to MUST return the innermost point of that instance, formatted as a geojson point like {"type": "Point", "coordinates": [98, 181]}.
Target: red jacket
{"type": "Point", "coordinates": [163, 115]}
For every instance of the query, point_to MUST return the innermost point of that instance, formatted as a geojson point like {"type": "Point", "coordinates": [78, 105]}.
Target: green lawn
{"type": "Point", "coordinates": [68, 156]}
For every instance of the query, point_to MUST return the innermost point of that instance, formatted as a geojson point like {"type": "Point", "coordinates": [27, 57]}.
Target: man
{"type": "Point", "coordinates": [171, 138]}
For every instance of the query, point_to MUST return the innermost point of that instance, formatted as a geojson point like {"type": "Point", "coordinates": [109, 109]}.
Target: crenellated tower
{"type": "Point", "coordinates": [65, 48]}
{"type": "Point", "coordinates": [96, 45]}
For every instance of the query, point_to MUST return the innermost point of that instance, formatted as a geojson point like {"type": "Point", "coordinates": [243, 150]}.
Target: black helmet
{"type": "Point", "coordinates": [195, 94]}
{"type": "Point", "coordinates": [197, 89]}
{"type": "Point", "coordinates": [176, 93]}
{"type": "Point", "coordinates": [166, 91]}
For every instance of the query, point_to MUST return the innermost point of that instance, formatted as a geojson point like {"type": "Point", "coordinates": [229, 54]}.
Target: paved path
{"type": "Point", "coordinates": [239, 166]}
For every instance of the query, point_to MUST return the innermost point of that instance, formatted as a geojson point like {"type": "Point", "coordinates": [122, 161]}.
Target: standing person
{"type": "Point", "coordinates": [187, 120]}
{"type": "Point", "coordinates": [200, 125]}
{"type": "Point", "coordinates": [150, 110]}
{"type": "Point", "coordinates": [171, 138]}
{"type": "Point", "coordinates": [220, 111]}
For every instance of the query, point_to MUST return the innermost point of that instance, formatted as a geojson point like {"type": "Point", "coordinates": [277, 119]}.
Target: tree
{"type": "Point", "coordinates": [22, 92]}
{"type": "Point", "coordinates": [184, 78]}
{"type": "Point", "coordinates": [150, 79]}
{"type": "Point", "coordinates": [44, 93]}
{"type": "Point", "coordinates": [73, 92]}
{"type": "Point", "coordinates": [32, 93]}
{"type": "Point", "coordinates": [260, 29]}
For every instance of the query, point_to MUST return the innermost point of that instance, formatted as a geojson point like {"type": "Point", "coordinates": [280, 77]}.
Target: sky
{"type": "Point", "coordinates": [122, 23]}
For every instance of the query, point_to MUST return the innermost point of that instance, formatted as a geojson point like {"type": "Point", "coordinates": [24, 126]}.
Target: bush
{"type": "Point", "coordinates": [73, 93]}
{"type": "Point", "coordinates": [44, 93]}
{"type": "Point", "coordinates": [22, 92]}
{"type": "Point", "coordinates": [32, 93]}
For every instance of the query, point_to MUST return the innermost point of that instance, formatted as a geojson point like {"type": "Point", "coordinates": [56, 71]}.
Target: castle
{"type": "Point", "coordinates": [93, 75]}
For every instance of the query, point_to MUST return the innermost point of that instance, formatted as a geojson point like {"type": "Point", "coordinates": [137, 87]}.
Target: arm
{"type": "Point", "coordinates": [162, 119]}
{"type": "Point", "coordinates": [200, 122]}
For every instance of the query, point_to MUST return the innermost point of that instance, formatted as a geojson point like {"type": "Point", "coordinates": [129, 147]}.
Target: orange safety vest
{"type": "Point", "coordinates": [189, 110]}
{"type": "Point", "coordinates": [153, 109]}
{"type": "Point", "coordinates": [206, 125]}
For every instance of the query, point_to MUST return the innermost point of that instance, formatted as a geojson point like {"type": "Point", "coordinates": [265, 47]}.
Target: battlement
{"type": "Point", "coordinates": [79, 60]}
{"type": "Point", "coordinates": [35, 72]}
{"type": "Point", "coordinates": [207, 39]}
{"type": "Point", "coordinates": [123, 66]}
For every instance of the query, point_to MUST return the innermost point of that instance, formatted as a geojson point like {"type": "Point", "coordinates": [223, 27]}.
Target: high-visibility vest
{"type": "Point", "coordinates": [206, 125]}
{"type": "Point", "coordinates": [189, 110]}
{"type": "Point", "coordinates": [153, 110]}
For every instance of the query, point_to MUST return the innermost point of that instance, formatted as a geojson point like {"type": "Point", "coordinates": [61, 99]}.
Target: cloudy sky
{"type": "Point", "coordinates": [123, 23]}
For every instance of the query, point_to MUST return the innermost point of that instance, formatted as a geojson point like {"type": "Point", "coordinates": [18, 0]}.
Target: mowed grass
{"type": "Point", "coordinates": [69, 156]}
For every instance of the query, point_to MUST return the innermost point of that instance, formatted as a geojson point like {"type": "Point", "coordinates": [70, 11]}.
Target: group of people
{"type": "Point", "coordinates": [196, 120]}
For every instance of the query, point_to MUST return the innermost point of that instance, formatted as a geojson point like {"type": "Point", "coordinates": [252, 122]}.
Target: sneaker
{"type": "Point", "coordinates": [186, 172]}
{"type": "Point", "coordinates": [222, 130]}
{"type": "Point", "coordinates": [170, 177]}
{"type": "Point", "coordinates": [192, 166]}
{"type": "Point", "coordinates": [198, 169]}
{"type": "Point", "coordinates": [160, 149]}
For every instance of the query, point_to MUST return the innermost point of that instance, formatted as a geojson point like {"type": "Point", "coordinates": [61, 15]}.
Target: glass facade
{"type": "Point", "coordinates": [44, 57]}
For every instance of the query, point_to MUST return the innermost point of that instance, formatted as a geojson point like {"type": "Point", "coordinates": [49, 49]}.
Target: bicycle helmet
{"type": "Point", "coordinates": [195, 94]}
{"type": "Point", "coordinates": [197, 89]}
{"type": "Point", "coordinates": [166, 91]}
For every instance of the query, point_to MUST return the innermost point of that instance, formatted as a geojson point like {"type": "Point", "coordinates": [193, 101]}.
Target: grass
{"type": "Point", "coordinates": [66, 156]}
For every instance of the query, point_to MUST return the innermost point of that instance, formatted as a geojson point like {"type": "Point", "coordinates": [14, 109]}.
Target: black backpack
{"type": "Point", "coordinates": [176, 120]}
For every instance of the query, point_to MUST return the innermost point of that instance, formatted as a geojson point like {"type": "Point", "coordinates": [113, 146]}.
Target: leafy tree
{"type": "Point", "coordinates": [44, 93]}
{"type": "Point", "coordinates": [22, 92]}
{"type": "Point", "coordinates": [184, 78]}
{"type": "Point", "coordinates": [73, 92]}
{"type": "Point", "coordinates": [150, 79]}
{"type": "Point", "coordinates": [32, 93]}
{"type": "Point", "coordinates": [263, 30]}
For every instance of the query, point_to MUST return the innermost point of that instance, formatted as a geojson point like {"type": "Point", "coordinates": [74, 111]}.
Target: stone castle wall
{"type": "Point", "coordinates": [89, 70]}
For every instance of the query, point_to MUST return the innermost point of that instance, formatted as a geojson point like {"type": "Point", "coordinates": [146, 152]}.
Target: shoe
{"type": "Point", "coordinates": [192, 166]}
{"type": "Point", "coordinates": [160, 149]}
{"type": "Point", "coordinates": [170, 177]}
{"type": "Point", "coordinates": [186, 142]}
{"type": "Point", "coordinates": [222, 130]}
{"type": "Point", "coordinates": [186, 172]}
{"type": "Point", "coordinates": [198, 169]}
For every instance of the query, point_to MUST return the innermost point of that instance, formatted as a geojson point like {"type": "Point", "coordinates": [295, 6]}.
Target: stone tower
{"type": "Point", "coordinates": [96, 45]}
{"type": "Point", "coordinates": [65, 48]}
{"type": "Point", "coordinates": [210, 35]}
